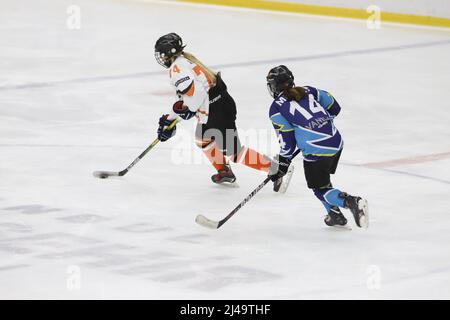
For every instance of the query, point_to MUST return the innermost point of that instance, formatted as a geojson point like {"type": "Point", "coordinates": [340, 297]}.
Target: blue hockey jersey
{"type": "Point", "coordinates": [307, 124]}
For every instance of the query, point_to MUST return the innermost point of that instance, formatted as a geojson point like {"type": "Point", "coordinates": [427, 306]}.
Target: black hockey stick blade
{"type": "Point", "coordinates": [105, 174]}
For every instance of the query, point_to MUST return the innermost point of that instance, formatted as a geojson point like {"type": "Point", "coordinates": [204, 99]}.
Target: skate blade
{"type": "Point", "coordinates": [364, 219]}
{"type": "Point", "coordinates": [286, 179]}
{"type": "Point", "coordinates": [338, 227]}
{"type": "Point", "coordinates": [228, 184]}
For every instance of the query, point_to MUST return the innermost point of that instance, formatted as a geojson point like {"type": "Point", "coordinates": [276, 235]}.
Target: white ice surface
{"type": "Point", "coordinates": [135, 237]}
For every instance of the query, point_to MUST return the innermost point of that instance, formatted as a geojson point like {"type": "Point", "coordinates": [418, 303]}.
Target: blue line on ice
{"type": "Point", "coordinates": [229, 65]}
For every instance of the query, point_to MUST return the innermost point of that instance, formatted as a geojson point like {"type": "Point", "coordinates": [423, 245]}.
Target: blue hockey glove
{"type": "Point", "coordinates": [279, 167]}
{"type": "Point", "coordinates": [182, 111]}
{"type": "Point", "coordinates": [165, 134]}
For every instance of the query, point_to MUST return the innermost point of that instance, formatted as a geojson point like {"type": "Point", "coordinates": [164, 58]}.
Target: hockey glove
{"type": "Point", "coordinates": [165, 134]}
{"type": "Point", "coordinates": [279, 167]}
{"type": "Point", "coordinates": [182, 111]}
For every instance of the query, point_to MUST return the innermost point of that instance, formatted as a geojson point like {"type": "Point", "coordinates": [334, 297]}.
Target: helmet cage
{"type": "Point", "coordinates": [276, 89]}
{"type": "Point", "coordinates": [163, 59]}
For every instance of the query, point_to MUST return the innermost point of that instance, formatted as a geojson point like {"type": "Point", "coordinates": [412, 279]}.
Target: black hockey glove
{"type": "Point", "coordinates": [182, 111]}
{"type": "Point", "coordinates": [279, 167]}
{"type": "Point", "coordinates": [165, 134]}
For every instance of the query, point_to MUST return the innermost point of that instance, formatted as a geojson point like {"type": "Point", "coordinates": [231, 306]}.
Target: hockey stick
{"type": "Point", "coordinates": [106, 174]}
{"type": "Point", "coordinates": [208, 223]}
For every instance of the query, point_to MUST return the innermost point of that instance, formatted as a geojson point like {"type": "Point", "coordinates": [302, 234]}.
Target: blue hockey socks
{"type": "Point", "coordinates": [329, 196]}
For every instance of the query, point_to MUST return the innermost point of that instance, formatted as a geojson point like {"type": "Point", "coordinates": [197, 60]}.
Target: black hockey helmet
{"type": "Point", "coordinates": [279, 79]}
{"type": "Point", "coordinates": [166, 47]}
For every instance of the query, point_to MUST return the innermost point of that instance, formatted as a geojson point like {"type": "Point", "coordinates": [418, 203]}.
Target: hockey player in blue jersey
{"type": "Point", "coordinates": [303, 119]}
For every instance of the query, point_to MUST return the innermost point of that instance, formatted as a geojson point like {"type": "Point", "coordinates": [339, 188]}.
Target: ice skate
{"type": "Point", "coordinates": [224, 175]}
{"type": "Point", "coordinates": [359, 208]}
{"type": "Point", "coordinates": [335, 218]}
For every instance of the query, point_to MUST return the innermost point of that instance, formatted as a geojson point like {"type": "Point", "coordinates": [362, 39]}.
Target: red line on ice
{"type": "Point", "coordinates": [409, 160]}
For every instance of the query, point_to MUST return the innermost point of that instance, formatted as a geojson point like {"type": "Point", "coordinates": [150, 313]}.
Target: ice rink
{"type": "Point", "coordinates": [77, 100]}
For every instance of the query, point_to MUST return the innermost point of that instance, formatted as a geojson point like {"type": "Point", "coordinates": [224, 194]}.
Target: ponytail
{"type": "Point", "coordinates": [295, 93]}
{"type": "Point", "coordinates": [209, 73]}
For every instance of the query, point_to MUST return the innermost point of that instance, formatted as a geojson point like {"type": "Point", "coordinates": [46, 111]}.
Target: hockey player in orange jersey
{"type": "Point", "coordinates": [203, 95]}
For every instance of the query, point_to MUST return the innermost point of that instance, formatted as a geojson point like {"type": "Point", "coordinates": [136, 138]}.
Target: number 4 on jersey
{"type": "Point", "coordinates": [314, 107]}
